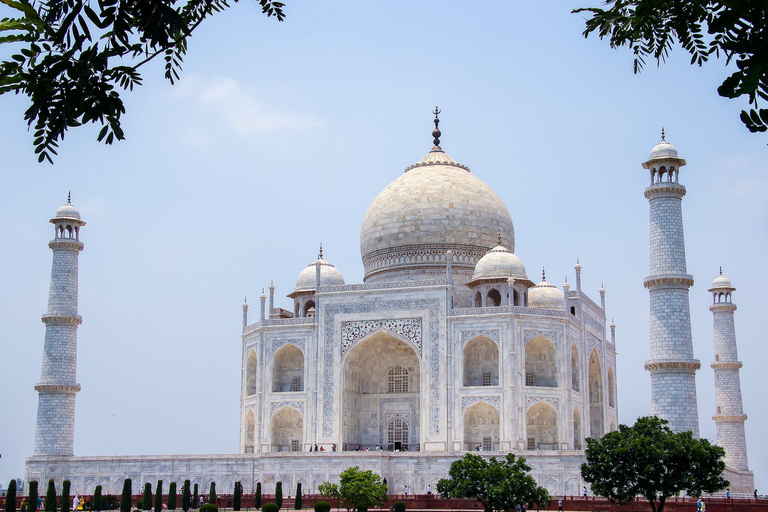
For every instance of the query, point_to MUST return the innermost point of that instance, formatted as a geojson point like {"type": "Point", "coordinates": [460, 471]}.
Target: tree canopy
{"type": "Point", "coordinates": [497, 484]}
{"type": "Point", "coordinates": [358, 490]}
{"type": "Point", "coordinates": [737, 29]}
{"type": "Point", "coordinates": [75, 56]}
{"type": "Point", "coordinates": [648, 459]}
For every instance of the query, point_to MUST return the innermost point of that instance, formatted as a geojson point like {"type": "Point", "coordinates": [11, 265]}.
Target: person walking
{"type": "Point", "coordinates": [560, 505]}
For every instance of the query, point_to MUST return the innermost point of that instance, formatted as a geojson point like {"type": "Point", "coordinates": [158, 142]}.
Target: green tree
{"type": "Point", "coordinates": [50, 497]}
{"type": "Point", "coordinates": [196, 497]}
{"type": "Point", "coordinates": [328, 490]}
{"type": "Point", "coordinates": [172, 496]}
{"type": "Point", "coordinates": [298, 502]}
{"type": "Point", "coordinates": [212, 493]}
{"type": "Point", "coordinates": [33, 496]}
{"type": "Point", "coordinates": [65, 486]}
{"type": "Point", "coordinates": [185, 496]}
{"type": "Point", "coordinates": [76, 55]}
{"type": "Point", "coordinates": [159, 497]}
{"type": "Point", "coordinates": [10, 497]}
{"type": "Point", "coordinates": [96, 504]}
{"type": "Point", "coordinates": [257, 498]}
{"type": "Point", "coordinates": [648, 459]}
{"type": "Point", "coordinates": [238, 497]}
{"type": "Point", "coordinates": [279, 494]}
{"type": "Point", "coordinates": [496, 484]}
{"type": "Point", "coordinates": [734, 28]}
{"type": "Point", "coordinates": [360, 490]}
{"type": "Point", "coordinates": [125, 499]}
{"type": "Point", "coordinates": [147, 501]}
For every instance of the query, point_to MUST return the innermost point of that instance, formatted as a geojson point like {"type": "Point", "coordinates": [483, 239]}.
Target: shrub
{"type": "Point", "coordinates": [146, 503]}
{"type": "Point", "coordinates": [95, 504]}
{"type": "Point", "coordinates": [159, 497]}
{"type": "Point", "coordinates": [196, 497]}
{"type": "Point", "coordinates": [322, 506]}
{"type": "Point", "coordinates": [270, 507]}
{"type": "Point", "coordinates": [236, 501]}
{"type": "Point", "coordinates": [50, 497]}
{"type": "Point", "coordinates": [125, 499]}
{"type": "Point", "coordinates": [209, 507]}
{"type": "Point", "coordinates": [298, 497]}
{"type": "Point", "coordinates": [257, 498]}
{"type": "Point", "coordinates": [65, 496]}
{"type": "Point", "coordinates": [10, 497]}
{"type": "Point", "coordinates": [212, 493]}
{"type": "Point", "coordinates": [140, 504]}
{"type": "Point", "coordinates": [33, 495]}
{"type": "Point", "coordinates": [185, 496]}
{"type": "Point", "coordinates": [172, 496]}
{"type": "Point", "coordinates": [399, 506]}
{"type": "Point", "coordinates": [279, 495]}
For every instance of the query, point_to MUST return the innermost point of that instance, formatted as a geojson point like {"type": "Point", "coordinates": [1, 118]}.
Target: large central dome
{"type": "Point", "coordinates": [436, 206]}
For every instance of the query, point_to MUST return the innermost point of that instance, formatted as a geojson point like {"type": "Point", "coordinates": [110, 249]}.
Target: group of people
{"type": "Point", "coordinates": [77, 503]}
{"type": "Point", "coordinates": [322, 448]}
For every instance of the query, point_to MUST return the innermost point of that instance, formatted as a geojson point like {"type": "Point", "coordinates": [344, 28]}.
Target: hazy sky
{"type": "Point", "coordinates": [279, 136]}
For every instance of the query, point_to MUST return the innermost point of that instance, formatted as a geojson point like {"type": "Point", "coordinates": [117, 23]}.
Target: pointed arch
{"type": "Point", "coordinates": [481, 362]}
{"type": "Point", "coordinates": [250, 373]}
{"type": "Point", "coordinates": [540, 363]}
{"type": "Point", "coordinates": [288, 369]}
{"type": "Point", "coordinates": [541, 427]}
{"type": "Point", "coordinates": [596, 405]}
{"type": "Point", "coordinates": [611, 389]}
{"type": "Point", "coordinates": [575, 373]}
{"type": "Point", "coordinates": [481, 427]}
{"type": "Point", "coordinates": [578, 437]}
{"type": "Point", "coordinates": [494, 297]}
{"type": "Point", "coordinates": [478, 299]}
{"type": "Point", "coordinates": [249, 435]}
{"type": "Point", "coordinates": [287, 430]}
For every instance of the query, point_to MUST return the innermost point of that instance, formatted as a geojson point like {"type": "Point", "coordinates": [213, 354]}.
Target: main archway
{"type": "Point", "coordinates": [287, 430]}
{"type": "Point", "coordinates": [380, 394]}
{"type": "Point", "coordinates": [596, 404]}
{"type": "Point", "coordinates": [541, 426]}
{"type": "Point", "coordinates": [481, 427]}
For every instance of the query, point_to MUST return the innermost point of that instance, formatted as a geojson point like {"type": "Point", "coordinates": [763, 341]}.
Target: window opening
{"type": "Point", "coordinates": [398, 380]}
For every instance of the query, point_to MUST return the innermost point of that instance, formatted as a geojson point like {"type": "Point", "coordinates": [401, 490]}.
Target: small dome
{"type": "Point", "coordinates": [329, 276]}
{"type": "Point", "coordinates": [67, 211]}
{"type": "Point", "coordinates": [497, 263]}
{"type": "Point", "coordinates": [546, 295]}
{"type": "Point", "coordinates": [722, 283]}
{"type": "Point", "coordinates": [663, 150]}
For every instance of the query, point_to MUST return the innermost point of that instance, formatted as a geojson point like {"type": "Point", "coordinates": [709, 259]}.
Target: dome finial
{"type": "Point", "coordinates": [320, 254]}
{"type": "Point", "coordinates": [662, 134]}
{"type": "Point", "coordinates": [499, 237]}
{"type": "Point", "coordinates": [721, 270]}
{"type": "Point", "coordinates": [69, 197]}
{"type": "Point", "coordinates": [436, 132]}
{"type": "Point", "coordinates": [543, 274]}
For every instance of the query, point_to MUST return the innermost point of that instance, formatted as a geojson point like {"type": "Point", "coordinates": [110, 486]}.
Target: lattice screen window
{"type": "Point", "coordinates": [487, 379]}
{"type": "Point", "coordinates": [487, 446]}
{"type": "Point", "coordinates": [295, 445]}
{"type": "Point", "coordinates": [297, 384]}
{"type": "Point", "coordinates": [397, 431]}
{"type": "Point", "coordinates": [398, 380]}
{"type": "Point", "coordinates": [531, 443]}
{"type": "Point", "coordinates": [529, 378]}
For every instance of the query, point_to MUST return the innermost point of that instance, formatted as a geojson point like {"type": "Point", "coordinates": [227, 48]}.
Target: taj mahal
{"type": "Point", "coordinates": [449, 345]}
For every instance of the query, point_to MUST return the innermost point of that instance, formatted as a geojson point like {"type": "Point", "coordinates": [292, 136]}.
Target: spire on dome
{"type": "Point", "coordinates": [499, 237]}
{"type": "Point", "coordinates": [543, 274]}
{"type": "Point", "coordinates": [663, 138]}
{"type": "Point", "coordinates": [721, 270]}
{"type": "Point", "coordinates": [436, 132]}
{"type": "Point", "coordinates": [320, 254]}
{"type": "Point", "coordinates": [69, 197]}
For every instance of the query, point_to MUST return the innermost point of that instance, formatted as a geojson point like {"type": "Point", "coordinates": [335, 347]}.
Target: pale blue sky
{"type": "Point", "coordinates": [279, 136]}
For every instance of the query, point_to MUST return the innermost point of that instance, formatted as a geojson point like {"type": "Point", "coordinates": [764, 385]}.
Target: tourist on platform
{"type": "Point", "coordinates": [405, 490]}
{"type": "Point", "coordinates": [584, 492]}
{"type": "Point", "coordinates": [560, 505]}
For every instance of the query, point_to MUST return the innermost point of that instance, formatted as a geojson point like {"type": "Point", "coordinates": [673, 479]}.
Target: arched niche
{"type": "Point", "coordinates": [380, 380]}
{"type": "Point", "coordinates": [611, 389]}
{"type": "Point", "coordinates": [288, 369]}
{"type": "Point", "coordinates": [540, 363]}
{"type": "Point", "coordinates": [575, 373]}
{"type": "Point", "coordinates": [287, 430]}
{"type": "Point", "coordinates": [578, 437]}
{"type": "Point", "coordinates": [250, 432]}
{"type": "Point", "coordinates": [481, 427]}
{"type": "Point", "coordinates": [481, 362]}
{"type": "Point", "coordinates": [596, 428]}
{"type": "Point", "coordinates": [494, 298]}
{"type": "Point", "coordinates": [541, 427]}
{"type": "Point", "coordinates": [250, 373]}
{"type": "Point", "coordinates": [478, 299]}
{"type": "Point", "coordinates": [397, 434]}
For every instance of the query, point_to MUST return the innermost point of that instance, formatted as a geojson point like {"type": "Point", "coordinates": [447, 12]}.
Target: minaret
{"type": "Point", "coordinates": [672, 365]}
{"type": "Point", "coordinates": [730, 416]}
{"type": "Point", "coordinates": [55, 429]}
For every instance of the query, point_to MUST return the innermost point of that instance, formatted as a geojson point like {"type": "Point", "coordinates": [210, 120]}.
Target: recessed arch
{"type": "Point", "coordinates": [575, 373]}
{"type": "Point", "coordinates": [250, 373]}
{"type": "Point", "coordinates": [478, 299]}
{"type": "Point", "coordinates": [481, 427]}
{"type": "Point", "coordinates": [611, 389]}
{"type": "Point", "coordinates": [287, 430]}
{"type": "Point", "coordinates": [481, 362]}
{"type": "Point", "coordinates": [309, 308]}
{"type": "Point", "coordinates": [578, 437]}
{"type": "Point", "coordinates": [367, 405]}
{"type": "Point", "coordinates": [540, 363]}
{"type": "Point", "coordinates": [250, 432]}
{"type": "Point", "coordinates": [288, 369]}
{"type": "Point", "coordinates": [494, 297]}
{"type": "Point", "coordinates": [541, 427]}
{"type": "Point", "coordinates": [596, 405]}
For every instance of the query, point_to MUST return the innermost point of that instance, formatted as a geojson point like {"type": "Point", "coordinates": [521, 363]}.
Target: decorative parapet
{"type": "Point", "coordinates": [58, 388]}
{"type": "Point", "coordinates": [383, 286]}
{"type": "Point", "coordinates": [673, 366]}
{"type": "Point", "coordinates": [62, 319]}
{"type": "Point", "coordinates": [665, 189]}
{"type": "Point", "coordinates": [668, 281]}
{"type": "Point", "coordinates": [500, 310]}
{"type": "Point", "coordinates": [726, 365]}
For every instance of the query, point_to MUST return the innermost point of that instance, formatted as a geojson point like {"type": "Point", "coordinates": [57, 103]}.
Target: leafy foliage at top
{"type": "Point", "coordinates": [736, 28]}
{"type": "Point", "coordinates": [497, 484]}
{"type": "Point", "coordinates": [75, 56]}
{"type": "Point", "coordinates": [648, 459]}
{"type": "Point", "coordinates": [358, 490]}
